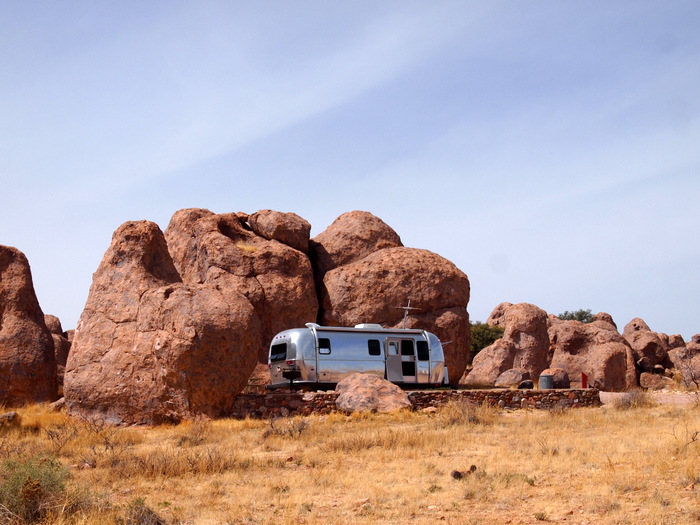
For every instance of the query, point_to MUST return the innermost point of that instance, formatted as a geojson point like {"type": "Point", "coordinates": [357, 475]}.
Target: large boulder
{"type": "Point", "coordinates": [374, 288]}
{"type": "Point", "coordinates": [287, 228]}
{"type": "Point", "coordinates": [524, 345]}
{"type": "Point", "coordinates": [351, 237]}
{"type": "Point", "coordinates": [27, 361]}
{"type": "Point", "coordinates": [650, 348]}
{"type": "Point", "coordinates": [150, 349]}
{"type": "Point", "coordinates": [595, 349]}
{"type": "Point", "coordinates": [368, 392]}
{"type": "Point", "coordinates": [225, 251]}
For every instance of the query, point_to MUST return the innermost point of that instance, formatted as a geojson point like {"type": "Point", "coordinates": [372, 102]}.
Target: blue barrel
{"type": "Point", "coordinates": [546, 382]}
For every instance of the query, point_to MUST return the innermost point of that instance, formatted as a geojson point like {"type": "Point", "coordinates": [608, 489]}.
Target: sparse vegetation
{"type": "Point", "coordinates": [585, 316]}
{"type": "Point", "coordinates": [462, 463]}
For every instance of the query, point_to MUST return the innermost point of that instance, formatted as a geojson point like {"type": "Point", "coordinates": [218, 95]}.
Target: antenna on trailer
{"type": "Point", "coordinates": [405, 311]}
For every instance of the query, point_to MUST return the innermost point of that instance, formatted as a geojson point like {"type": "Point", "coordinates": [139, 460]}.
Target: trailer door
{"type": "Point", "coordinates": [393, 361]}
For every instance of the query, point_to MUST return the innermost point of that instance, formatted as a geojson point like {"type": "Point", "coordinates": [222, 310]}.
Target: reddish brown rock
{"type": "Point", "coordinates": [53, 323]}
{"type": "Point", "coordinates": [649, 347]}
{"type": "Point", "coordinates": [512, 378]}
{"type": "Point", "coordinates": [223, 251]}
{"type": "Point", "coordinates": [374, 288]}
{"type": "Point", "coordinates": [287, 228]}
{"type": "Point", "coordinates": [595, 349]}
{"type": "Point", "coordinates": [351, 237]}
{"type": "Point", "coordinates": [524, 345]}
{"type": "Point", "coordinates": [150, 349]}
{"type": "Point", "coordinates": [368, 392]}
{"type": "Point", "coordinates": [686, 361]}
{"type": "Point", "coordinates": [27, 361]}
{"type": "Point", "coordinates": [490, 363]}
{"type": "Point", "coordinates": [654, 381]}
{"type": "Point", "coordinates": [497, 317]}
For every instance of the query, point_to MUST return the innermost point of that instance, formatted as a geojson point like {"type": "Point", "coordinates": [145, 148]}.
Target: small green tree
{"type": "Point", "coordinates": [585, 316]}
{"type": "Point", "coordinates": [482, 336]}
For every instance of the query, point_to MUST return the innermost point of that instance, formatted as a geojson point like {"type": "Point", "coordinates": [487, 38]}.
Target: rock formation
{"type": "Point", "coordinates": [149, 348]}
{"type": "Point", "coordinates": [686, 360]}
{"type": "Point", "coordinates": [368, 392]}
{"type": "Point", "coordinates": [595, 349]}
{"type": "Point", "coordinates": [27, 361]}
{"type": "Point", "coordinates": [364, 274]}
{"type": "Point", "coordinates": [649, 348]}
{"type": "Point", "coordinates": [61, 344]}
{"type": "Point", "coordinates": [524, 345]}
{"type": "Point", "coordinates": [222, 250]}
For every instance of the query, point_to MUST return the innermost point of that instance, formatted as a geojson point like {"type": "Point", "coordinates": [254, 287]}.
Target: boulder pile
{"type": "Point", "coordinates": [573, 352]}
{"type": "Point", "coordinates": [176, 321]}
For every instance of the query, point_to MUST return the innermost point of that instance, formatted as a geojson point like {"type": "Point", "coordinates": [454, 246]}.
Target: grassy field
{"type": "Point", "coordinates": [462, 464]}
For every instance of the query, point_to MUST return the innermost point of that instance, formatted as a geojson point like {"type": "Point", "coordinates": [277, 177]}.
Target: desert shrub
{"type": "Point", "coordinates": [635, 399]}
{"type": "Point", "coordinates": [461, 413]}
{"type": "Point", "coordinates": [291, 428]}
{"type": "Point", "coordinates": [585, 316]}
{"type": "Point", "coordinates": [138, 513]}
{"type": "Point", "coordinates": [30, 487]}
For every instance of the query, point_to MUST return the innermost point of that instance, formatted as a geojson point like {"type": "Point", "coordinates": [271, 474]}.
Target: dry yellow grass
{"type": "Point", "coordinates": [610, 465]}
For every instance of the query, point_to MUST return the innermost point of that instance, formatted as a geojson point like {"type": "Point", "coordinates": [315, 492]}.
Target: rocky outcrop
{"type": "Point", "coordinates": [595, 349]}
{"type": "Point", "coordinates": [364, 274]}
{"type": "Point", "coordinates": [149, 348]}
{"type": "Point", "coordinates": [368, 392]}
{"type": "Point", "coordinates": [650, 348]}
{"type": "Point", "coordinates": [524, 345]}
{"type": "Point", "coordinates": [224, 251]}
{"type": "Point", "coordinates": [27, 361]}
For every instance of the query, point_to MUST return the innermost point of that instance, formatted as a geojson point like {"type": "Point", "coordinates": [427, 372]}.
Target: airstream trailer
{"type": "Point", "coordinates": [320, 356]}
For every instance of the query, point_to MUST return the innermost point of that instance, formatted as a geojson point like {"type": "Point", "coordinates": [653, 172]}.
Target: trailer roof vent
{"type": "Point", "coordinates": [371, 326]}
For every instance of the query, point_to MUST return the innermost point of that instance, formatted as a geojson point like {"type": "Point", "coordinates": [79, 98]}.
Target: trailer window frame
{"type": "Point", "coordinates": [374, 347]}
{"type": "Point", "coordinates": [324, 345]}
{"type": "Point", "coordinates": [276, 354]}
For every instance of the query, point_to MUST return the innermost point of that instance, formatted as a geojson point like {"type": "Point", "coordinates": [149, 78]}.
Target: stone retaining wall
{"type": "Point", "coordinates": [280, 404]}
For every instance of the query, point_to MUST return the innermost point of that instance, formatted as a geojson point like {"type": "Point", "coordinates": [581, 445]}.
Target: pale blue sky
{"type": "Point", "coordinates": [550, 149]}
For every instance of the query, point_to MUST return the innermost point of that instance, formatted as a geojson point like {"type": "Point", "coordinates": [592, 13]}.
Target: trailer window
{"type": "Point", "coordinates": [324, 345]}
{"type": "Point", "coordinates": [278, 352]}
{"type": "Point", "coordinates": [374, 347]}
{"type": "Point", "coordinates": [407, 347]}
{"type": "Point", "coordinates": [423, 351]}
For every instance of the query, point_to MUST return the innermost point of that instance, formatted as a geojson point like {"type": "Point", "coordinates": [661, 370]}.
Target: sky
{"type": "Point", "coordinates": [550, 150]}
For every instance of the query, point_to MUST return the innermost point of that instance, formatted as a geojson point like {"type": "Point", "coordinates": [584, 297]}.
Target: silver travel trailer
{"type": "Point", "coordinates": [320, 356]}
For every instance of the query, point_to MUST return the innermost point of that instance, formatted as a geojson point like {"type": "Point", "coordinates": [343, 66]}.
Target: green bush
{"type": "Point", "coordinates": [482, 336]}
{"type": "Point", "coordinates": [585, 316]}
{"type": "Point", "coordinates": [29, 487]}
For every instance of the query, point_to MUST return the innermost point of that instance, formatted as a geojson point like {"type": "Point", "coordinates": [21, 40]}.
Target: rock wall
{"type": "Point", "coordinates": [283, 404]}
